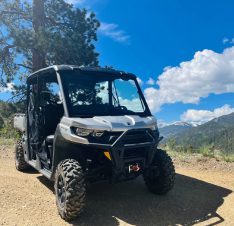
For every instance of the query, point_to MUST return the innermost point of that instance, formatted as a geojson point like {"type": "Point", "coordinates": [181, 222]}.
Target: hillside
{"type": "Point", "coordinates": [218, 132]}
{"type": "Point", "coordinates": [174, 129]}
{"type": "Point", "coordinates": [7, 109]}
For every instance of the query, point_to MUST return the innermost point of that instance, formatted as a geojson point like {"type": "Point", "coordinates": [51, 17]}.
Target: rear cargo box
{"type": "Point", "coordinates": [20, 122]}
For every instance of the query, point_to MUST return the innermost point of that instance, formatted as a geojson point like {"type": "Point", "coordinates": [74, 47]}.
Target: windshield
{"type": "Point", "coordinates": [92, 94]}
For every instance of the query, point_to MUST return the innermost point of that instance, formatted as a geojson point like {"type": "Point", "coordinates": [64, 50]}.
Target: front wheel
{"type": "Point", "coordinates": [160, 177]}
{"type": "Point", "coordinates": [69, 189]}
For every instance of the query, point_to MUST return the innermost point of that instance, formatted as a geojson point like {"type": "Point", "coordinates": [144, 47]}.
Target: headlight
{"type": "Point", "coordinates": [82, 132]}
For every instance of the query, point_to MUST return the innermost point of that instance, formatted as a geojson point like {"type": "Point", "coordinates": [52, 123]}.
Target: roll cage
{"type": "Point", "coordinates": [45, 109]}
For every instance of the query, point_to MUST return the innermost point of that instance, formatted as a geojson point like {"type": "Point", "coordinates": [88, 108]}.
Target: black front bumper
{"type": "Point", "coordinates": [135, 146]}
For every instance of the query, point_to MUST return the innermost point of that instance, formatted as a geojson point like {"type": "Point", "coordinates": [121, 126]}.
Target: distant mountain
{"type": "Point", "coordinates": [218, 132]}
{"type": "Point", "coordinates": [161, 124]}
{"type": "Point", "coordinates": [180, 123]}
{"type": "Point", "coordinates": [173, 129]}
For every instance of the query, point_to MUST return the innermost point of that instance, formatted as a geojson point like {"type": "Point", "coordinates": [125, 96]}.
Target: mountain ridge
{"type": "Point", "coordinates": [218, 132]}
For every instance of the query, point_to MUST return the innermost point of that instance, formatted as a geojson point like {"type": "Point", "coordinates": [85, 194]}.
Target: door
{"type": "Point", "coordinates": [33, 117]}
{"type": "Point", "coordinates": [45, 110]}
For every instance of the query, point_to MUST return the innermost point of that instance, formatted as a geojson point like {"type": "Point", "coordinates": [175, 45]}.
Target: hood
{"type": "Point", "coordinates": [111, 123]}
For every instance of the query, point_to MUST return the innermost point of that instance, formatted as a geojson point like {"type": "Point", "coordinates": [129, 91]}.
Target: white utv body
{"type": "Point", "coordinates": [20, 122]}
{"type": "Point", "coordinates": [89, 124]}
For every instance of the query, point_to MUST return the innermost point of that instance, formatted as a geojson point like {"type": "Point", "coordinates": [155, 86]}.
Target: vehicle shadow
{"type": "Point", "coordinates": [30, 170]}
{"type": "Point", "coordinates": [191, 201]}
{"type": "Point", "coordinates": [48, 183]}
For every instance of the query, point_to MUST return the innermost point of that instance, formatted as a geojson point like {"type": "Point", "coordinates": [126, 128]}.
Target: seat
{"type": "Point", "coordinates": [50, 139]}
{"type": "Point", "coordinates": [53, 115]}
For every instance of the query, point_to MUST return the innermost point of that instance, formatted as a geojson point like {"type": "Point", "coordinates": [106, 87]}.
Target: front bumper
{"type": "Point", "coordinates": [125, 152]}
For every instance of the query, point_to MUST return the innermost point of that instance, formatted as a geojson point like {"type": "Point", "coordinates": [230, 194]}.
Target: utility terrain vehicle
{"type": "Point", "coordinates": [85, 125]}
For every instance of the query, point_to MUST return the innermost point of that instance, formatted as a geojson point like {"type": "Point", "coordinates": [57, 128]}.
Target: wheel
{"type": "Point", "coordinates": [20, 162]}
{"type": "Point", "coordinates": [160, 177]}
{"type": "Point", "coordinates": [69, 189]}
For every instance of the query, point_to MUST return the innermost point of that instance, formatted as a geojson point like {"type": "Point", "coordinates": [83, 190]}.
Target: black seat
{"type": "Point", "coordinates": [53, 115]}
{"type": "Point", "coordinates": [50, 139]}
{"type": "Point", "coordinates": [49, 147]}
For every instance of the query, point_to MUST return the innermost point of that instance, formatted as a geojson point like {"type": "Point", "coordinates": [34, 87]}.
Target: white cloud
{"type": "Point", "coordinates": [225, 40]}
{"type": "Point", "coordinates": [151, 82]}
{"type": "Point", "coordinates": [75, 2]}
{"type": "Point", "coordinates": [202, 116]}
{"type": "Point", "coordinates": [161, 123]}
{"type": "Point", "coordinates": [131, 104]}
{"type": "Point", "coordinates": [151, 95]}
{"type": "Point", "coordinates": [228, 41]}
{"type": "Point", "coordinates": [112, 30]}
{"type": "Point", "coordinates": [140, 81]}
{"type": "Point", "coordinates": [207, 73]}
{"type": "Point", "coordinates": [8, 88]}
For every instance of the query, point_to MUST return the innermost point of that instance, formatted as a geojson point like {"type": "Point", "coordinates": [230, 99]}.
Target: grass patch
{"type": "Point", "coordinates": [207, 151]}
{"type": "Point", "coordinates": [204, 152]}
{"type": "Point", "coordinates": [7, 141]}
{"type": "Point", "coordinates": [228, 158]}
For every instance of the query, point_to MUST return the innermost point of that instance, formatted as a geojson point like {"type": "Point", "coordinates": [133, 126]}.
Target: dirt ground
{"type": "Point", "coordinates": [202, 195]}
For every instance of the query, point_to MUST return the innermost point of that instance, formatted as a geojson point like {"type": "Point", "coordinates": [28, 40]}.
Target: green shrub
{"type": "Point", "coordinates": [207, 150]}
{"type": "Point", "coordinates": [228, 158]}
{"type": "Point", "coordinates": [8, 131]}
{"type": "Point", "coordinates": [1, 122]}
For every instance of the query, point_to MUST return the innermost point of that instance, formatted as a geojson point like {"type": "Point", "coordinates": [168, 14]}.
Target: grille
{"type": "Point", "coordinates": [106, 138]}
{"type": "Point", "coordinates": [134, 153]}
{"type": "Point", "coordinates": [136, 137]}
{"type": "Point", "coordinates": [131, 137]}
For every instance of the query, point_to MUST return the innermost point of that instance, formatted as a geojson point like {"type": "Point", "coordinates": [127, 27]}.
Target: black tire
{"type": "Point", "coordinates": [20, 163]}
{"type": "Point", "coordinates": [160, 177]}
{"type": "Point", "coordinates": [70, 189]}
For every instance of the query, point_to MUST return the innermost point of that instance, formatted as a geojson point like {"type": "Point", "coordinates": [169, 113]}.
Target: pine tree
{"type": "Point", "coordinates": [44, 32]}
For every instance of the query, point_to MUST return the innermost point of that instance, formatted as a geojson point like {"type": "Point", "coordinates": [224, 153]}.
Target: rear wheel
{"type": "Point", "coordinates": [69, 189]}
{"type": "Point", "coordinates": [160, 177]}
{"type": "Point", "coordinates": [20, 162]}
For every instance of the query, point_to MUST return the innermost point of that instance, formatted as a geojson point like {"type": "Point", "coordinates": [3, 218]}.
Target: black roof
{"type": "Point", "coordinates": [56, 68]}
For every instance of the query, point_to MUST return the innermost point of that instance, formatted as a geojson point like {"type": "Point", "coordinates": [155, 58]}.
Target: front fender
{"type": "Point", "coordinates": [65, 149]}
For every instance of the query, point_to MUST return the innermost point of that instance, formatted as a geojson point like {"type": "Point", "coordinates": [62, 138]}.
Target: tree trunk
{"type": "Point", "coordinates": [38, 57]}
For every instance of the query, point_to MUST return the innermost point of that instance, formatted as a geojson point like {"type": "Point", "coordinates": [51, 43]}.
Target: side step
{"type": "Point", "coordinates": [46, 173]}
{"type": "Point", "coordinates": [36, 164]}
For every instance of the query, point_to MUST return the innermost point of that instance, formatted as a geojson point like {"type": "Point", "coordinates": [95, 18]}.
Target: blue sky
{"type": "Point", "coordinates": [159, 34]}
{"type": "Point", "coordinates": [153, 38]}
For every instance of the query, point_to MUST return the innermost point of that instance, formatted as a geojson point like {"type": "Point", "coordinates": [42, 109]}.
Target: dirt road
{"type": "Point", "coordinates": [200, 196]}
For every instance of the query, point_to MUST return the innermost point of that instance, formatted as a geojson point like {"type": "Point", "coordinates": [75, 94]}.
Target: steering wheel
{"type": "Point", "coordinates": [123, 108]}
{"type": "Point", "coordinates": [50, 98]}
